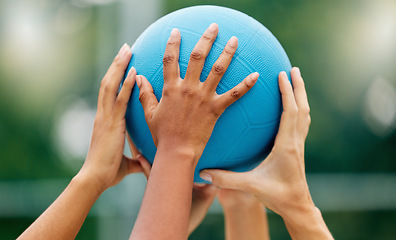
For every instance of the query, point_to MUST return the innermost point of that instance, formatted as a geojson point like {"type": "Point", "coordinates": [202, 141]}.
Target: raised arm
{"type": "Point", "coordinates": [244, 215]}
{"type": "Point", "coordinates": [181, 124]}
{"type": "Point", "coordinates": [279, 182]}
{"type": "Point", "coordinates": [104, 165]}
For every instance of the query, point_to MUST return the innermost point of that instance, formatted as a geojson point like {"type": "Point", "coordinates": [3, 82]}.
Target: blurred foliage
{"type": "Point", "coordinates": [333, 42]}
{"type": "Point", "coordinates": [318, 37]}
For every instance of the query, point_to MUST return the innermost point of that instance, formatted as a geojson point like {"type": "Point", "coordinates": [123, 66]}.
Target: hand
{"type": "Point", "coordinates": [279, 181]}
{"type": "Point", "coordinates": [188, 110]}
{"type": "Point", "coordinates": [105, 162]}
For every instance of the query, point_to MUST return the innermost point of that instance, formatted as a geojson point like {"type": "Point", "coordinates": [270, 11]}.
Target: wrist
{"type": "Point", "coordinates": [306, 222]}
{"type": "Point", "coordinates": [176, 153]}
{"type": "Point", "coordinates": [89, 182]}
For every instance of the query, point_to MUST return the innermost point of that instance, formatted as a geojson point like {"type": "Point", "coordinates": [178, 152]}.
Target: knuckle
{"type": "Point", "coordinates": [235, 94]}
{"type": "Point", "coordinates": [107, 87]}
{"type": "Point", "coordinates": [247, 84]}
{"type": "Point", "coordinates": [207, 36]}
{"type": "Point", "coordinates": [229, 50]}
{"type": "Point", "coordinates": [117, 62]}
{"type": "Point", "coordinates": [309, 120]}
{"type": "Point", "coordinates": [171, 43]}
{"type": "Point", "coordinates": [142, 96]}
{"type": "Point", "coordinates": [292, 150]}
{"type": "Point", "coordinates": [166, 90]}
{"type": "Point", "coordinates": [307, 110]}
{"type": "Point", "coordinates": [197, 55]}
{"type": "Point", "coordinates": [168, 59]}
{"type": "Point", "coordinates": [187, 91]}
{"type": "Point", "coordinates": [121, 101]}
{"type": "Point", "coordinates": [116, 59]}
{"type": "Point", "coordinates": [218, 69]}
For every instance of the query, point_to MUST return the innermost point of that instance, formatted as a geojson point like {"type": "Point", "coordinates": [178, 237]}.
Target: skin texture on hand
{"type": "Point", "coordinates": [244, 216]}
{"type": "Point", "coordinates": [105, 159]}
{"type": "Point", "coordinates": [105, 164]}
{"type": "Point", "coordinates": [181, 125]}
{"type": "Point", "coordinates": [279, 182]}
{"type": "Point", "coordinates": [189, 109]}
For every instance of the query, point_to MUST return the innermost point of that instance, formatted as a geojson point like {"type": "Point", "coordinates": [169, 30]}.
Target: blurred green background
{"type": "Point", "coordinates": [53, 54]}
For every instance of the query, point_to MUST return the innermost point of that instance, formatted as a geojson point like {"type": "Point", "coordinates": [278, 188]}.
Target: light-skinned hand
{"type": "Point", "coordinates": [105, 162]}
{"type": "Point", "coordinates": [279, 182]}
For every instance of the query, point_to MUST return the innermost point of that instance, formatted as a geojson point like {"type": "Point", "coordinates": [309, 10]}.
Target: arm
{"type": "Point", "coordinates": [202, 194]}
{"type": "Point", "coordinates": [104, 165]}
{"type": "Point", "coordinates": [279, 182]}
{"type": "Point", "coordinates": [202, 198]}
{"type": "Point", "coordinates": [245, 217]}
{"type": "Point", "coordinates": [181, 124]}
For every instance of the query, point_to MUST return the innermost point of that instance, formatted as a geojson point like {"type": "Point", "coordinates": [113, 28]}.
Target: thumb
{"type": "Point", "coordinates": [146, 96]}
{"type": "Point", "coordinates": [226, 179]}
{"type": "Point", "coordinates": [130, 165]}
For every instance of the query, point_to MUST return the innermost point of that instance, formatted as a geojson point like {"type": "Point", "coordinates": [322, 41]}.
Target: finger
{"type": "Point", "coordinates": [146, 166]}
{"type": "Point", "coordinates": [129, 166]}
{"type": "Point", "coordinates": [108, 74]}
{"type": "Point", "coordinates": [171, 57]}
{"type": "Point", "coordinates": [300, 94]}
{"type": "Point", "coordinates": [286, 89]}
{"type": "Point", "coordinates": [221, 65]}
{"type": "Point", "coordinates": [237, 92]}
{"type": "Point", "coordinates": [227, 179]}
{"type": "Point", "coordinates": [290, 111]}
{"type": "Point", "coordinates": [113, 78]}
{"type": "Point", "coordinates": [299, 90]}
{"type": "Point", "coordinates": [146, 96]}
{"type": "Point", "coordinates": [200, 52]}
{"type": "Point", "coordinates": [134, 150]}
{"type": "Point", "coordinates": [125, 92]}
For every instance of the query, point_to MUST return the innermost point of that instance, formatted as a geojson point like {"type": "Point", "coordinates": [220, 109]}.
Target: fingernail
{"type": "Point", "coordinates": [213, 27]}
{"type": "Point", "coordinates": [124, 50]}
{"type": "Point", "coordinates": [283, 75]}
{"type": "Point", "coordinates": [133, 69]}
{"type": "Point", "coordinates": [233, 42]}
{"type": "Point", "coordinates": [298, 71]}
{"type": "Point", "coordinates": [255, 76]}
{"type": "Point", "coordinates": [174, 32]}
{"type": "Point", "coordinates": [131, 72]}
{"type": "Point", "coordinates": [138, 81]}
{"type": "Point", "coordinates": [206, 176]}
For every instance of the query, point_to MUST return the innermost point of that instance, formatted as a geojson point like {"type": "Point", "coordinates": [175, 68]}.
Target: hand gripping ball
{"type": "Point", "coordinates": [244, 134]}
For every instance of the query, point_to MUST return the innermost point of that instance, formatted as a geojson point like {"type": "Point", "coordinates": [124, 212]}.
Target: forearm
{"type": "Point", "coordinates": [64, 218]}
{"type": "Point", "coordinates": [165, 210]}
{"type": "Point", "coordinates": [306, 223]}
{"type": "Point", "coordinates": [246, 222]}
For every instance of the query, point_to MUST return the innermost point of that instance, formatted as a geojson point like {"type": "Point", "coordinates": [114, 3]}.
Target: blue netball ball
{"type": "Point", "coordinates": [244, 134]}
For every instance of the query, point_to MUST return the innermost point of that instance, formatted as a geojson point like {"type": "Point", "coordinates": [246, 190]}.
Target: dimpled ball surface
{"type": "Point", "coordinates": [244, 134]}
